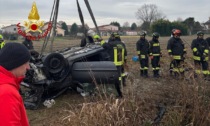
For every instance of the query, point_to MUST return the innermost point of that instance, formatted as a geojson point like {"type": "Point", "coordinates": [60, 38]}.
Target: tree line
{"type": "Point", "coordinates": [153, 20]}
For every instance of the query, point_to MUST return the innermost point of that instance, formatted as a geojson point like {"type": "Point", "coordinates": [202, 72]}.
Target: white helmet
{"type": "Point", "coordinates": [91, 33]}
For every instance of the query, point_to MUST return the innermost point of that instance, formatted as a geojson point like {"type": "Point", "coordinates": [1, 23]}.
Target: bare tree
{"type": "Point", "coordinates": [126, 24]}
{"type": "Point", "coordinates": [149, 13]}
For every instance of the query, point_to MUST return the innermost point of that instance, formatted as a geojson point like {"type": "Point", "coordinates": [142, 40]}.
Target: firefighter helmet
{"type": "Point", "coordinates": [156, 35]}
{"type": "Point", "coordinates": [200, 33]}
{"type": "Point", "coordinates": [115, 35]}
{"type": "Point", "coordinates": [142, 33]}
{"type": "Point", "coordinates": [96, 36]}
{"type": "Point", "coordinates": [177, 32]}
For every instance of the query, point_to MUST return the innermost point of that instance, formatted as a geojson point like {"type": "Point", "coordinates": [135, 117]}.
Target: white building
{"type": "Point", "coordinates": [59, 30]}
{"type": "Point", "coordinates": [12, 29]}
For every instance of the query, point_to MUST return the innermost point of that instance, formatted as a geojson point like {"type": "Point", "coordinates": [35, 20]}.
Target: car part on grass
{"type": "Point", "coordinates": [161, 111]}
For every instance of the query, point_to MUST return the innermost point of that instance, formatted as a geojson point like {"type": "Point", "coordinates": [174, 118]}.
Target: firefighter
{"type": "Point", "coordinates": [176, 50]}
{"type": "Point", "coordinates": [88, 39]}
{"type": "Point", "coordinates": [156, 53]}
{"type": "Point", "coordinates": [27, 42]}
{"type": "Point", "coordinates": [143, 50]}
{"type": "Point", "coordinates": [117, 38]}
{"type": "Point", "coordinates": [97, 39]}
{"type": "Point", "coordinates": [123, 74]}
{"type": "Point", "coordinates": [200, 50]}
{"type": "Point", "coordinates": [117, 52]}
{"type": "Point", "coordinates": [2, 42]}
{"type": "Point", "coordinates": [29, 45]}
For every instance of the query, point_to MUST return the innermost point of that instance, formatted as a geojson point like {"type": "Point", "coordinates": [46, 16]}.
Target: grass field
{"type": "Point", "coordinates": [186, 100]}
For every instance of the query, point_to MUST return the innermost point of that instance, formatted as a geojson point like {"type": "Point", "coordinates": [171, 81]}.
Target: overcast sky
{"type": "Point", "coordinates": [105, 11]}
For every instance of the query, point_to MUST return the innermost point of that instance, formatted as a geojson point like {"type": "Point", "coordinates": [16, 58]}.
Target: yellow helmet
{"type": "Point", "coordinates": [96, 37]}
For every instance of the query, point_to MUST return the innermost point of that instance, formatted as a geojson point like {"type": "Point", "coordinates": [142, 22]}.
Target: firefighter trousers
{"type": "Point", "coordinates": [156, 65]}
{"type": "Point", "coordinates": [118, 83]}
{"type": "Point", "coordinates": [144, 64]}
{"type": "Point", "coordinates": [177, 67]}
{"type": "Point", "coordinates": [201, 65]}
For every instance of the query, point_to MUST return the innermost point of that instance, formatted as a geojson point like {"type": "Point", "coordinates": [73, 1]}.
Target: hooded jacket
{"type": "Point", "coordinates": [12, 110]}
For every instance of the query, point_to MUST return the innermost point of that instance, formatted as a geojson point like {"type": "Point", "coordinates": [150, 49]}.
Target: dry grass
{"type": "Point", "coordinates": [186, 99]}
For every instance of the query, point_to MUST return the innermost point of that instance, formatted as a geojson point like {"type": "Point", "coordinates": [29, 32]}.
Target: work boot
{"type": "Point", "coordinates": [141, 73]}
{"type": "Point", "coordinates": [146, 73]}
{"type": "Point", "coordinates": [158, 75]}
{"type": "Point", "coordinates": [171, 72]}
{"type": "Point", "coordinates": [182, 74]}
{"type": "Point", "coordinates": [154, 73]}
{"type": "Point", "coordinates": [123, 81]}
{"type": "Point", "coordinates": [206, 77]}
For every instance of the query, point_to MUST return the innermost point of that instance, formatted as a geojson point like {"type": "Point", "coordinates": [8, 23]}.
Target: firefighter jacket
{"type": "Point", "coordinates": [143, 48]}
{"type": "Point", "coordinates": [200, 49]}
{"type": "Point", "coordinates": [117, 52]}
{"type": "Point", "coordinates": [29, 44]}
{"type": "Point", "coordinates": [12, 110]}
{"type": "Point", "coordinates": [155, 47]}
{"type": "Point", "coordinates": [176, 48]}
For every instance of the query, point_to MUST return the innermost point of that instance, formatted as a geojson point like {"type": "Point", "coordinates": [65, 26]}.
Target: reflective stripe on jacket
{"type": "Point", "coordinates": [155, 47]}
{"type": "Point", "coordinates": [176, 47]}
{"type": "Point", "coordinates": [200, 49]}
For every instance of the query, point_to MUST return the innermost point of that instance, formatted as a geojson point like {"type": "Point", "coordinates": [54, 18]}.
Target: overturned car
{"type": "Point", "coordinates": [79, 68]}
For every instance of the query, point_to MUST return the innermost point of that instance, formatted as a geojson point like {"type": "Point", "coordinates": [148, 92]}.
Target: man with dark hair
{"type": "Point", "coordinates": [14, 63]}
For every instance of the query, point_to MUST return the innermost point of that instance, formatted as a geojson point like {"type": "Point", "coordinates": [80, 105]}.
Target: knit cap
{"type": "Point", "coordinates": [13, 55]}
